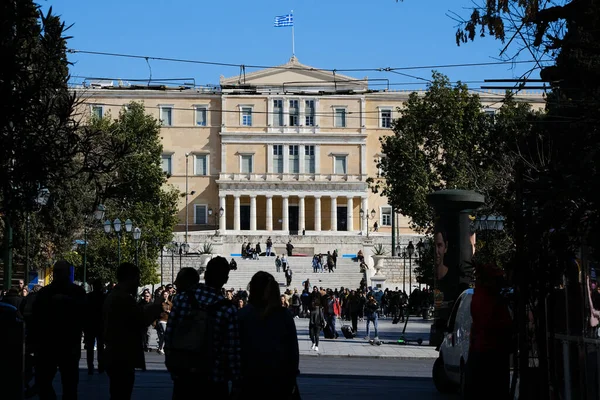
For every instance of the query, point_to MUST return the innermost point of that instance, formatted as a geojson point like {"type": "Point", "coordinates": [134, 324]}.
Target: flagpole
{"type": "Point", "coordinates": [293, 39]}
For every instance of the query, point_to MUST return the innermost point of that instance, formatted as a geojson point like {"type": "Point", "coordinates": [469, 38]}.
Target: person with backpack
{"type": "Point", "coordinates": [202, 343]}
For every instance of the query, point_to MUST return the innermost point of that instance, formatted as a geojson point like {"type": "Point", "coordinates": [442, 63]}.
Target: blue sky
{"type": "Point", "coordinates": [330, 34]}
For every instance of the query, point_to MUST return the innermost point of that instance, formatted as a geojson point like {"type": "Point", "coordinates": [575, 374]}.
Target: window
{"type": "Point", "coordinates": [294, 159]}
{"type": "Point", "coordinates": [246, 116]}
{"type": "Point", "coordinates": [278, 158]}
{"type": "Point", "coordinates": [294, 113]}
{"type": "Point", "coordinates": [200, 214]}
{"type": "Point", "coordinates": [340, 118]}
{"type": "Point", "coordinates": [201, 115]}
{"type": "Point", "coordinates": [166, 163]}
{"type": "Point", "coordinates": [277, 112]}
{"type": "Point", "coordinates": [386, 216]}
{"type": "Point", "coordinates": [166, 116]}
{"type": "Point", "coordinates": [201, 164]}
{"type": "Point", "coordinates": [246, 163]}
{"type": "Point", "coordinates": [340, 165]}
{"type": "Point", "coordinates": [309, 159]}
{"type": "Point", "coordinates": [386, 118]}
{"type": "Point", "coordinates": [97, 111]}
{"type": "Point", "coordinates": [309, 113]}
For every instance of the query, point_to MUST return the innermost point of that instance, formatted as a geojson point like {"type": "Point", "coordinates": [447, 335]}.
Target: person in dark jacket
{"type": "Point", "coordinates": [58, 316]}
{"type": "Point", "coordinates": [269, 343]}
{"type": "Point", "coordinates": [317, 319]}
{"type": "Point", "coordinates": [124, 320]}
{"type": "Point", "coordinates": [289, 247]}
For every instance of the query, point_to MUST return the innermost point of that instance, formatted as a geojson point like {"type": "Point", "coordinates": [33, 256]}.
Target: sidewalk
{"type": "Point", "coordinates": [359, 347]}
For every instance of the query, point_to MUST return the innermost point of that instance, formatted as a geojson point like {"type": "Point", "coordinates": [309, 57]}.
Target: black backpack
{"type": "Point", "coordinates": [191, 346]}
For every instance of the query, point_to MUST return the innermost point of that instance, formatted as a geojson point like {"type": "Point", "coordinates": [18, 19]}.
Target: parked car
{"type": "Point", "coordinates": [449, 367]}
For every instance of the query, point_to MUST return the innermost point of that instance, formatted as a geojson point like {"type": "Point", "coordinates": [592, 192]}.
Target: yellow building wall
{"type": "Point", "coordinates": [232, 115]}
{"type": "Point", "coordinates": [234, 160]}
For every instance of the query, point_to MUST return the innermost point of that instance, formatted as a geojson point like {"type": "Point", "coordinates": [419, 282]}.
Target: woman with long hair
{"type": "Point", "coordinates": [270, 355]}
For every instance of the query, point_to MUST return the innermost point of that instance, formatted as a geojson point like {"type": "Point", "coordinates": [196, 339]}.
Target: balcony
{"type": "Point", "coordinates": [274, 178]}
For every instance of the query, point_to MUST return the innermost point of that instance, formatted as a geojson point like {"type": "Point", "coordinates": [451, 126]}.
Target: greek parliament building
{"type": "Point", "coordinates": [279, 152]}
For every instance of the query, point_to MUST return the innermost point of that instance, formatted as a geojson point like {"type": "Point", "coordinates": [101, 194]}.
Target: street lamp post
{"type": "Point", "coordinates": [420, 252]}
{"type": "Point", "coordinates": [221, 212]}
{"type": "Point", "coordinates": [137, 234]}
{"type": "Point", "coordinates": [187, 155]}
{"type": "Point", "coordinates": [365, 214]}
{"type": "Point", "coordinates": [116, 225]}
{"type": "Point", "coordinates": [98, 216]}
{"type": "Point", "coordinates": [410, 249]}
{"type": "Point", "coordinates": [404, 271]}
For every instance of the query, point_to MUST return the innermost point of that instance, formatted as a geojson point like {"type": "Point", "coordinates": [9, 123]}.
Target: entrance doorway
{"type": "Point", "coordinates": [342, 218]}
{"type": "Point", "coordinates": [293, 212]}
{"type": "Point", "coordinates": [245, 217]}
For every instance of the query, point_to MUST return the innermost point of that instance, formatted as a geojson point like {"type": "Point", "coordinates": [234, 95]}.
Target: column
{"type": "Point", "coordinates": [317, 213]}
{"type": "Point", "coordinates": [223, 158]}
{"type": "Point", "coordinates": [269, 212]}
{"type": "Point", "coordinates": [223, 218]}
{"type": "Point", "coordinates": [364, 207]}
{"type": "Point", "coordinates": [286, 158]}
{"type": "Point", "coordinates": [253, 212]}
{"type": "Point", "coordinates": [333, 213]}
{"type": "Point", "coordinates": [363, 160]}
{"type": "Point", "coordinates": [236, 212]}
{"type": "Point", "coordinates": [301, 214]}
{"type": "Point", "coordinates": [350, 217]}
{"type": "Point", "coordinates": [285, 218]}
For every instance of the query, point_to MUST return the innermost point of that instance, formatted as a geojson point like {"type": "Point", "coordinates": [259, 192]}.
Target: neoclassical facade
{"type": "Point", "coordinates": [286, 150]}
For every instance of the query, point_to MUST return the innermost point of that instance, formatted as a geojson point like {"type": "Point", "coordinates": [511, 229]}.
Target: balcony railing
{"type": "Point", "coordinates": [236, 177]}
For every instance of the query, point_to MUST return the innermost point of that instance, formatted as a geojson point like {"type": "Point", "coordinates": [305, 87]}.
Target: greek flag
{"type": "Point", "coordinates": [284, 20]}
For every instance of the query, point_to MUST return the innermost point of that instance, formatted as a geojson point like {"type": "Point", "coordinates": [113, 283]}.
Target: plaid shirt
{"type": "Point", "coordinates": [227, 364]}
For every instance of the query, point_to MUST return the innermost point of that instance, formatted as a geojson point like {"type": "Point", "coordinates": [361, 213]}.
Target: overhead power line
{"type": "Point", "coordinates": [240, 65]}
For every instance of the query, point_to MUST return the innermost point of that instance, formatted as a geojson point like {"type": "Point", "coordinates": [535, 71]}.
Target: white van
{"type": "Point", "coordinates": [449, 367]}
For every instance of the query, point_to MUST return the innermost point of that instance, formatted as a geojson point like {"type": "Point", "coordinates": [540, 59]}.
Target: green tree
{"type": "Point", "coordinates": [438, 142]}
{"type": "Point", "coordinates": [135, 188]}
{"type": "Point", "coordinates": [38, 136]}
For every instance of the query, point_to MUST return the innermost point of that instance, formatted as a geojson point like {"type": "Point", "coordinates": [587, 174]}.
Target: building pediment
{"type": "Point", "coordinates": [294, 75]}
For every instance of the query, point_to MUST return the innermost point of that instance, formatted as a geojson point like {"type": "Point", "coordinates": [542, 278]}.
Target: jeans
{"type": "Point", "coordinates": [161, 327]}
{"type": "Point", "coordinates": [331, 320]}
{"type": "Point", "coordinates": [374, 321]}
{"type": "Point", "coordinates": [268, 252]}
{"type": "Point", "coordinates": [314, 333]}
{"type": "Point", "coordinates": [45, 370]}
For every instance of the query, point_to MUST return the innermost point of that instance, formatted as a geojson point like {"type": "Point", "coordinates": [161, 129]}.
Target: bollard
{"type": "Point", "coordinates": [12, 348]}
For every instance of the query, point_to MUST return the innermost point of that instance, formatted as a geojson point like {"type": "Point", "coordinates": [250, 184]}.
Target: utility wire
{"type": "Point", "coordinates": [238, 65]}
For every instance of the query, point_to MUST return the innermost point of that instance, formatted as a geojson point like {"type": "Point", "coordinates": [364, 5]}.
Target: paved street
{"type": "Point", "coordinates": [330, 377]}
{"type": "Point", "coordinates": [342, 369]}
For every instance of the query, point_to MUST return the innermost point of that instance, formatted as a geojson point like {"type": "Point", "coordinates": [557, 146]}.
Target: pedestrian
{"type": "Point", "coordinates": [317, 319]}
{"type": "Point", "coordinates": [284, 263]}
{"type": "Point", "coordinates": [264, 321]}
{"type": "Point", "coordinates": [202, 342]}
{"type": "Point", "coordinates": [372, 316]}
{"type": "Point", "coordinates": [278, 264]}
{"type": "Point", "coordinates": [288, 277]}
{"type": "Point", "coordinates": [269, 246]}
{"type": "Point", "coordinates": [124, 319]}
{"type": "Point", "coordinates": [289, 247]}
{"type": "Point", "coordinates": [58, 317]}
{"type": "Point", "coordinates": [161, 326]}
{"type": "Point", "coordinates": [94, 329]}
